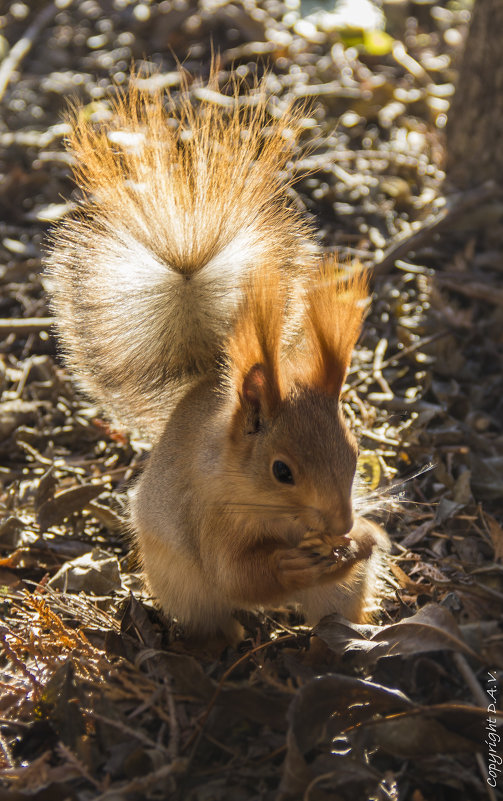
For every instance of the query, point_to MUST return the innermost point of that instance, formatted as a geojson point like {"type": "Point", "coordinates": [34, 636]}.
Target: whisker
{"type": "Point", "coordinates": [418, 473]}
{"type": "Point", "coordinates": [386, 498]}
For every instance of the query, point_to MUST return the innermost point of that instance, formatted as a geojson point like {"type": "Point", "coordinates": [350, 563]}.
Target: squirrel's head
{"type": "Point", "coordinates": [296, 458]}
{"type": "Point", "coordinates": [289, 447]}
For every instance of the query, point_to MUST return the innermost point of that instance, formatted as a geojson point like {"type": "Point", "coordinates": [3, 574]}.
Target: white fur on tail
{"type": "Point", "coordinates": [179, 211]}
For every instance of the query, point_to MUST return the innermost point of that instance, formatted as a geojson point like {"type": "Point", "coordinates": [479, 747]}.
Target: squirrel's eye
{"type": "Point", "coordinates": [282, 472]}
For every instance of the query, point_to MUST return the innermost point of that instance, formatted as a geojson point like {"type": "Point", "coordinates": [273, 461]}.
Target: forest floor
{"type": "Point", "coordinates": [100, 697]}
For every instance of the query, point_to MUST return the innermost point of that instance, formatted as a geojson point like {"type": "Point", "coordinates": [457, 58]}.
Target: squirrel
{"type": "Point", "coordinates": [191, 302]}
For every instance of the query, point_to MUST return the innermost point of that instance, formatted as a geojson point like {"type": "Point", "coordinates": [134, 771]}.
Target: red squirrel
{"type": "Point", "coordinates": [191, 302]}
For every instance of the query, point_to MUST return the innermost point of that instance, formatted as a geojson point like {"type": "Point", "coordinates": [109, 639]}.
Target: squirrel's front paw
{"type": "Point", "coordinates": [298, 568]}
{"type": "Point", "coordinates": [358, 544]}
{"type": "Point", "coordinates": [316, 562]}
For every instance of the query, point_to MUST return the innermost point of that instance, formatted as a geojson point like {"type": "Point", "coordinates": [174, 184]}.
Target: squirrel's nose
{"type": "Point", "coordinates": [339, 521]}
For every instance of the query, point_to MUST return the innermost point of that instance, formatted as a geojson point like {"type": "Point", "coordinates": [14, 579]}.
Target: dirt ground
{"type": "Point", "coordinates": [100, 697]}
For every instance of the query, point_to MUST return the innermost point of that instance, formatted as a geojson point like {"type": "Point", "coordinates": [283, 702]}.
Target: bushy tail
{"type": "Point", "coordinates": [181, 204]}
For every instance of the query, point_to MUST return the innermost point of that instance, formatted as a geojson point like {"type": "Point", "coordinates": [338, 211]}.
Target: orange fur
{"type": "Point", "coordinates": [181, 204]}
{"type": "Point", "coordinates": [334, 313]}
{"type": "Point", "coordinates": [257, 336]}
{"type": "Point", "coordinates": [194, 157]}
{"type": "Point", "coordinates": [333, 310]}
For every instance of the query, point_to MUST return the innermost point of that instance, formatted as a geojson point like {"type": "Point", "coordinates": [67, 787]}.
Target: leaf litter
{"type": "Point", "coordinates": [100, 698]}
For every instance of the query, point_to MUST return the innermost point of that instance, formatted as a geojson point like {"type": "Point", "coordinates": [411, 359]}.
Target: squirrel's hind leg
{"type": "Point", "coordinates": [183, 593]}
{"type": "Point", "coordinates": [228, 631]}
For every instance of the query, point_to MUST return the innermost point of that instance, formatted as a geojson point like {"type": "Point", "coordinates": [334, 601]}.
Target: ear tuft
{"type": "Point", "coordinates": [254, 347]}
{"type": "Point", "coordinates": [334, 312]}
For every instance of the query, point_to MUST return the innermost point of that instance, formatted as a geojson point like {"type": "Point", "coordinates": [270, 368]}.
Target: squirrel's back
{"type": "Point", "coordinates": [181, 205]}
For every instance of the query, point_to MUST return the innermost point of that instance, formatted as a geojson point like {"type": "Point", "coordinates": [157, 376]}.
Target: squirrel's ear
{"type": "Point", "coordinates": [259, 394]}
{"type": "Point", "coordinates": [254, 387]}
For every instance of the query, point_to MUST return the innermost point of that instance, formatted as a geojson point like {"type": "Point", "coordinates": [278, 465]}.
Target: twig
{"type": "Point", "coordinates": [472, 289]}
{"type": "Point", "coordinates": [376, 437]}
{"type": "Point", "coordinates": [78, 765]}
{"type": "Point", "coordinates": [317, 779]}
{"type": "Point", "coordinates": [270, 755]}
{"type": "Point", "coordinates": [36, 455]}
{"type": "Point", "coordinates": [470, 678]}
{"type": "Point", "coordinates": [400, 355]}
{"type": "Point", "coordinates": [38, 139]}
{"type": "Point", "coordinates": [11, 723]}
{"type": "Point", "coordinates": [410, 64]}
{"type": "Point", "coordinates": [225, 748]}
{"type": "Point", "coordinates": [25, 325]}
{"type": "Point", "coordinates": [125, 729]}
{"type": "Point", "coordinates": [143, 783]}
{"type": "Point", "coordinates": [412, 348]}
{"type": "Point", "coordinates": [455, 207]}
{"type": "Point", "coordinates": [326, 158]}
{"type": "Point", "coordinates": [6, 751]}
{"type": "Point", "coordinates": [24, 45]}
{"type": "Point", "coordinates": [174, 729]}
{"type": "Point", "coordinates": [11, 654]}
{"type": "Point", "coordinates": [377, 369]}
{"type": "Point", "coordinates": [330, 89]}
